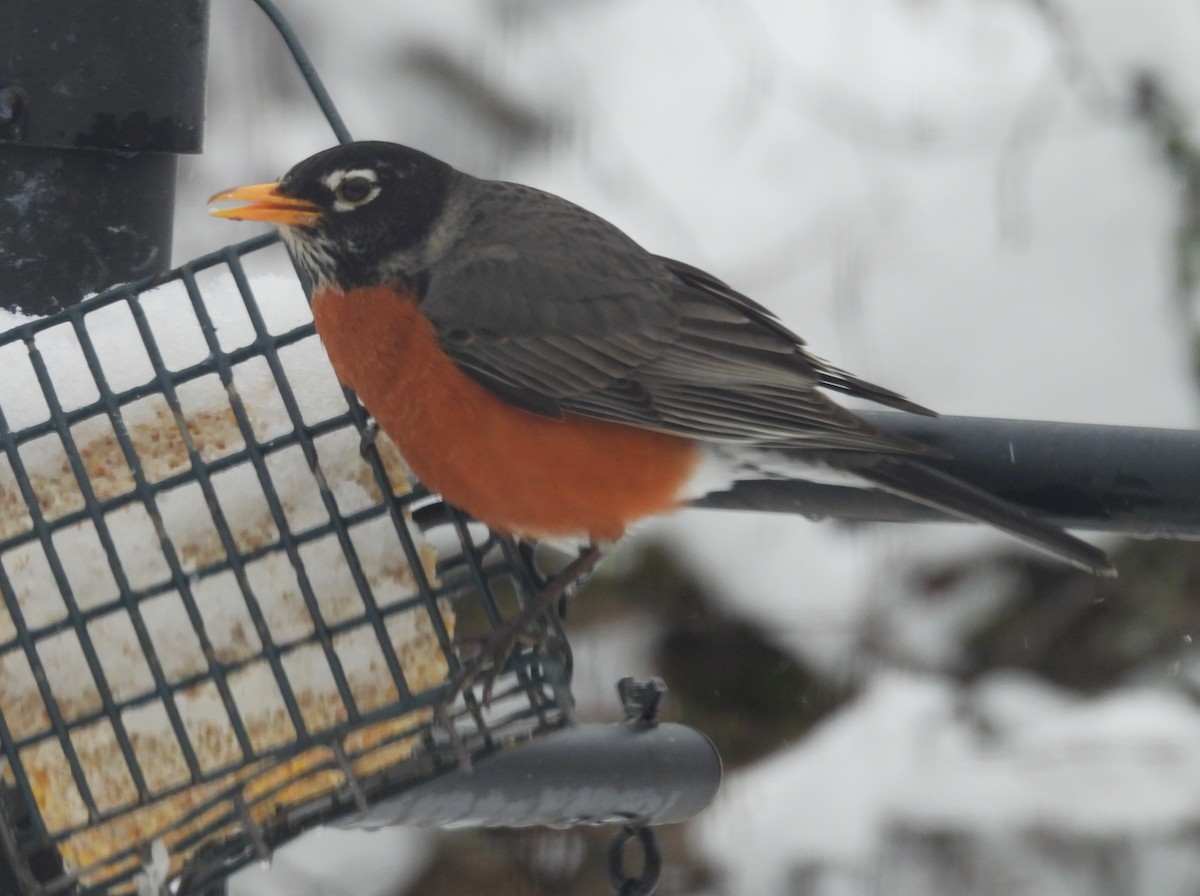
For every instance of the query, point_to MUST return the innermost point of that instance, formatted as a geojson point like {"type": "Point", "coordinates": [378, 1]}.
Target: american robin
{"type": "Point", "coordinates": [542, 371]}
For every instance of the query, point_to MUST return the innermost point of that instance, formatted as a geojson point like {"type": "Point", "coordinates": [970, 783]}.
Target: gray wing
{"type": "Point", "coordinates": [561, 313]}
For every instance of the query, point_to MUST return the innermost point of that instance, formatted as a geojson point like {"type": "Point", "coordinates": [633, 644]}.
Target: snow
{"type": "Point", "coordinates": [175, 335]}
{"type": "Point", "coordinates": [330, 862]}
{"type": "Point", "coordinates": [1010, 757]}
{"type": "Point", "coordinates": [179, 340]}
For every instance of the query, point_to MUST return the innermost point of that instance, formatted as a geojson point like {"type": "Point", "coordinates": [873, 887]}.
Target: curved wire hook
{"type": "Point", "coordinates": [320, 94]}
{"type": "Point", "coordinates": [643, 884]}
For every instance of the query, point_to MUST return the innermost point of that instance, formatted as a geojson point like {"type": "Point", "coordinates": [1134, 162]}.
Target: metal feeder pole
{"type": "Point", "coordinates": [1127, 480]}
{"type": "Point", "coordinates": [96, 101]}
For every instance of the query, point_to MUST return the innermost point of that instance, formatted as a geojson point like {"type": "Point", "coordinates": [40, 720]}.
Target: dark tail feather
{"type": "Point", "coordinates": [953, 496]}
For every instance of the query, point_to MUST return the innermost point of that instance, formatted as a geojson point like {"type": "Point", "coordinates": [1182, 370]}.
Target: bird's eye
{"type": "Point", "coordinates": [355, 190]}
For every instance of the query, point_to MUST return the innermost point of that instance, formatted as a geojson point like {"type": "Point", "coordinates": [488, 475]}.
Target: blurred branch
{"type": "Point", "coordinates": [1072, 68]}
{"type": "Point", "coordinates": [1077, 68]}
{"type": "Point", "coordinates": [1168, 127]}
{"type": "Point", "coordinates": [512, 122]}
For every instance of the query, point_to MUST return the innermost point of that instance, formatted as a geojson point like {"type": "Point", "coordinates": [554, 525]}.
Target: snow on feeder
{"type": "Point", "coordinates": [217, 616]}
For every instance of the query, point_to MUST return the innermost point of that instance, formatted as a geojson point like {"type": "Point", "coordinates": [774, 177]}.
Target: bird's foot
{"type": "Point", "coordinates": [483, 659]}
{"type": "Point", "coordinates": [494, 652]}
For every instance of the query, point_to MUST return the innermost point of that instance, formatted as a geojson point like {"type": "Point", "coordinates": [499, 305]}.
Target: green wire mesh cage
{"type": "Point", "coordinates": [223, 619]}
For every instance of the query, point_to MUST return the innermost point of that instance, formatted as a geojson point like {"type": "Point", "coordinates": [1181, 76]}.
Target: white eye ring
{"type": "Point", "coordinates": [344, 199]}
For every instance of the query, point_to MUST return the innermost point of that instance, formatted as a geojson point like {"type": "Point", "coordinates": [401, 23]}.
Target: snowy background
{"type": "Point", "coordinates": [984, 204]}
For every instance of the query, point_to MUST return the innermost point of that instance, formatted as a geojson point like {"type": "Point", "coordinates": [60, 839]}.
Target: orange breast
{"type": "Point", "coordinates": [516, 471]}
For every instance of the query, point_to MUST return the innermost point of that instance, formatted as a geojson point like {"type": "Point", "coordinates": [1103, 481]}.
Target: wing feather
{"type": "Point", "coordinates": [563, 314]}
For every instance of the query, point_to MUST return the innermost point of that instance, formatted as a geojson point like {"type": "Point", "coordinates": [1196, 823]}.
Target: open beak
{"type": "Point", "coordinates": [266, 203]}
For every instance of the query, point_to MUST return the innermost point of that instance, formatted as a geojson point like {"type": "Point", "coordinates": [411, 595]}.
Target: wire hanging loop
{"type": "Point", "coordinates": [635, 884]}
{"type": "Point", "coordinates": [307, 69]}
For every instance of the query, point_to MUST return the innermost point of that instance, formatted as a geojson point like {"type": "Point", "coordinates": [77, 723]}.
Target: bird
{"type": "Point", "coordinates": [543, 372]}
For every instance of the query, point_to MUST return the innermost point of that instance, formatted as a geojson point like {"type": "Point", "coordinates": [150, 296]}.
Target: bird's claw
{"type": "Point", "coordinates": [366, 442]}
{"type": "Point", "coordinates": [490, 657]}
{"type": "Point", "coordinates": [495, 651]}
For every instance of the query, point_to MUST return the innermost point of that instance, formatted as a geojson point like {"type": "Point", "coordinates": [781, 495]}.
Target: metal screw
{"type": "Point", "coordinates": [642, 700]}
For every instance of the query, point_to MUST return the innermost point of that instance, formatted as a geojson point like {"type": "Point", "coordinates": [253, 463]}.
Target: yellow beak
{"type": "Point", "coordinates": [266, 204]}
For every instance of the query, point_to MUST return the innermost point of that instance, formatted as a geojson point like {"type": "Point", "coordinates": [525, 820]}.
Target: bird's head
{"type": "Point", "coordinates": [355, 215]}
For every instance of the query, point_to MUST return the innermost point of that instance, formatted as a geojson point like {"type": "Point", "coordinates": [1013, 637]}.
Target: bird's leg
{"type": "Point", "coordinates": [498, 648]}
{"type": "Point", "coordinates": [527, 551]}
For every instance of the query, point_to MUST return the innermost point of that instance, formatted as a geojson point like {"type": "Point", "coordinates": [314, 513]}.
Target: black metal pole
{"type": "Point", "coordinates": [96, 100]}
{"type": "Point", "coordinates": [1128, 480]}
{"type": "Point", "coordinates": [585, 774]}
